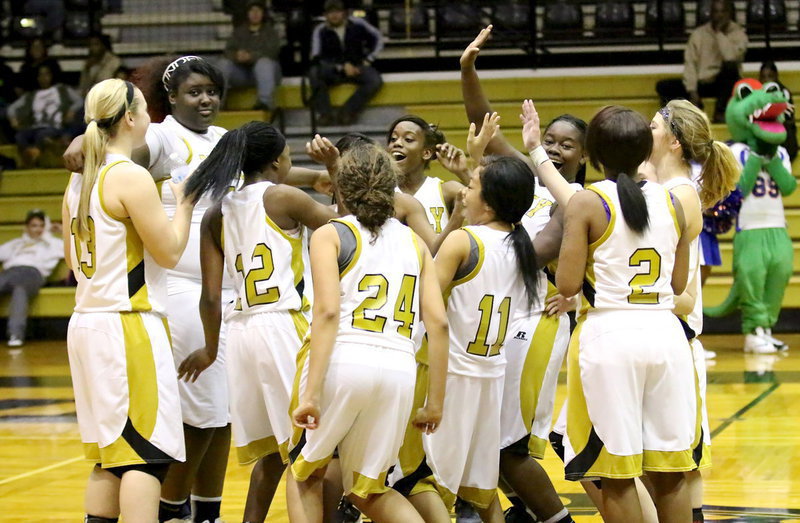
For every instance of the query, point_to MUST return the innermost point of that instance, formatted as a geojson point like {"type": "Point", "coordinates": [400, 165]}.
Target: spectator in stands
{"type": "Point", "coordinates": [343, 49]}
{"type": "Point", "coordinates": [35, 55]}
{"type": "Point", "coordinates": [769, 73]}
{"type": "Point", "coordinates": [712, 61]}
{"type": "Point", "coordinates": [251, 56]}
{"type": "Point", "coordinates": [27, 262]}
{"type": "Point", "coordinates": [101, 64]}
{"type": "Point", "coordinates": [44, 115]}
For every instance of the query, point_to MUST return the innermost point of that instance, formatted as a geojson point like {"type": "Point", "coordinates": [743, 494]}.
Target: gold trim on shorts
{"type": "Point", "coordinates": [261, 448]}
{"type": "Point", "coordinates": [364, 486]}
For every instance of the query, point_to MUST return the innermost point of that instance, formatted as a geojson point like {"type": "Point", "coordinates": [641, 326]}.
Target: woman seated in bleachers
{"type": "Point", "coordinates": [45, 115]}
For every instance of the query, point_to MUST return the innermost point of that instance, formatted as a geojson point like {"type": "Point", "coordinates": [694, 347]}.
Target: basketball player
{"type": "Point", "coordinates": [117, 238]}
{"type": "Point", "coordinates": [373, 279]}
{"type": "Point", "coordinates": [256, 231]}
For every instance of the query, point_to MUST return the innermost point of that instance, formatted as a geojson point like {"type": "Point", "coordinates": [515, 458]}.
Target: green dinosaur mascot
{"type": "Point", "coordinates": [762, 248]}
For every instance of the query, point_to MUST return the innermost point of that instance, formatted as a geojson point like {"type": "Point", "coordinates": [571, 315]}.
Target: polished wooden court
{"type": "Point", "coordinates": [754, 404]}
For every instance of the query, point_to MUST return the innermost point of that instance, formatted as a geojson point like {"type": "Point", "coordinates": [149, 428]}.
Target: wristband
{"type": "Point", "coordinates": [539, 156]}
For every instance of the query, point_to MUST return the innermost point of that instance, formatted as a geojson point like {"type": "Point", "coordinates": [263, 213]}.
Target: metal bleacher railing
{"type": "Point", "coordinates": [418, 32]}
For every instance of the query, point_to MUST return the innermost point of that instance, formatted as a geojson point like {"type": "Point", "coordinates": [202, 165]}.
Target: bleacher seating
{"type": "Point", "coordinates": [672, 17]}
{"type": "Point", "coordinates": [759, 12]}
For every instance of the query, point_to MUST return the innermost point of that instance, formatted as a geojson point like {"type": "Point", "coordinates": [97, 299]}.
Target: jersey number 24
{"type": "Point", "coordinates": [364, 316]}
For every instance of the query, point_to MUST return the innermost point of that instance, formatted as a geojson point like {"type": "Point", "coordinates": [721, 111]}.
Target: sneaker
{"type": "Point", "coordinates": [709, 354]}
{"type": "Point", "coordinates": [515, 514]}
{"type": "Point", "coordinates": [781, 346]}
{"type": "Point", "coordinates": [465, 513]}
{"type": "Point", "coordinates": [13, 341]}
{"type": "Point", "coordinates": [757, 343]}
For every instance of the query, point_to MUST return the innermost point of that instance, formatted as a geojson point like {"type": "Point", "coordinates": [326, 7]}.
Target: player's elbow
{"type": "Point", "coordinates": [567, 286]}
{"type": "Point", "coordinates": [325, 312]}
{"type": "Point", "coordinates": [437, 326]}
{"type": "Point", "coordinates": [678, 284]}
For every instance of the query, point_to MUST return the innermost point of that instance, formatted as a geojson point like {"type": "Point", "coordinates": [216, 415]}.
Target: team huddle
{"type": "Point", "coordinates": [401, 347]}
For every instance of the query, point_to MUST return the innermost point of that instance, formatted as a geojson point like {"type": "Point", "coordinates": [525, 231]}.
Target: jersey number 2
{"type": "Point", "coordinates": [642, 280]}
{"type": "Point", "coordinates": [256, 275]}
{"type": "Point", "coordinates": [403, 313]}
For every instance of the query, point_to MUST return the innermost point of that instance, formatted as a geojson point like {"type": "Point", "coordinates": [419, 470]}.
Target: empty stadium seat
{"type": "Point", "coordinates": [672, 17]}
{"type": "Point", "coordinates": [614, 18]}
{"type": "Point", "coordinates": [78, 25]}
{"type": "Point", "coordinates": [562, 19]}
{"type": "Point", "coordinates": [411, 23]}
{"type": "Point", "coordinates": [459, 20]}
{"type": "Point", "coordinates": [703, 12]}
{"type": "Point", "coordinates": [512, 16]}
{"type": "Point", "coordinates": [757, 18]}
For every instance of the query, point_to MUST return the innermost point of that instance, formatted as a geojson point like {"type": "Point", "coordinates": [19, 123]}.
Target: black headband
{"type": "Point", "coordinates": [108, 123]}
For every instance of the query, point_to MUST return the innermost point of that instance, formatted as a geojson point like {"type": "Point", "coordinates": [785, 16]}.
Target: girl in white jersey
{"type": "Point", "coordinates": [682, 134]}
{"type": "Point", "coordinates": [537, 348]}
{"type": "Point", "coordinates": [373, 281]}
{"type": "Point", "coordinates": [116, 235]}
{"type": "Point", "coordinates": [413, 144]}
{"type": "Point", "coordinates": [256, 231]}
{"type": "Point", "coordinates": [489, 275]}
{"type": "Point", "coordinates": [184, 97]}
{"type": "Point", "coordinates": [631, 399]}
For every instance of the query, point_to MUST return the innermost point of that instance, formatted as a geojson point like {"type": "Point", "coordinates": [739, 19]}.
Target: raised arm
{"type": "Point", "coordinates": [547, 173]}
{"type": "Point", "coordinates": [475, 101]}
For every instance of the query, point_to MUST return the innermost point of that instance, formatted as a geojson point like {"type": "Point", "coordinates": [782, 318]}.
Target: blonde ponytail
{"type": "Point", "coordinates": [106, 104]}
{"type": "Point", "coordinates": [691, 128]}
{"type": "Point", "coordinates": [719, 175]}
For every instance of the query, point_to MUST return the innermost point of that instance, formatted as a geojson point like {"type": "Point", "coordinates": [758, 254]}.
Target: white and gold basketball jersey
{"type": "Point", "coordinates": [175, 152]}
{"type": "Point", "coordinates": [431, 197]}
{"type": "Point", "coordinates": [625, 270]}
{"type": "Point", "coordinates": [763, 207]}
{"type": "Point", "coordinates": [114, 271]}
{"type": "Point", "coordinates": [534, 221]}
{"type": "Point", "coordinates": [695, 318]}
{"type": "Point", "coordinates": [264, 261]}
{"type": "Point", "coordinates": [380, 284]}
{"type": "Point", "coordinates": [483, 298]}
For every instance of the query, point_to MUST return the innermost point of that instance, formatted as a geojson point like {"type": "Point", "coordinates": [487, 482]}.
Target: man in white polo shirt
{"type": "Point", "coordinates": [27, 262]}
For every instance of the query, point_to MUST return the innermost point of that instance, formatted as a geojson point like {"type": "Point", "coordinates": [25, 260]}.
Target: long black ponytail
{"type": "Point", "coordinates": [247, 150]}
{"type": "Point", "coordinates": [618, 141]}
{"type": "Point", "coordinates": [507, 186]}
